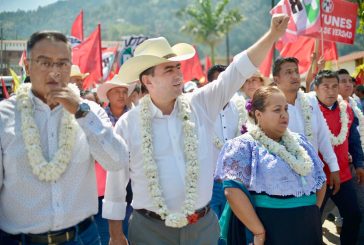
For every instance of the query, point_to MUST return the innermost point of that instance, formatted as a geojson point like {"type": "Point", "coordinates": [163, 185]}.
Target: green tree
{"type": "Point", "coordinates": [209, 25]}
{"type": "Point", "coordinates": [360, 3]}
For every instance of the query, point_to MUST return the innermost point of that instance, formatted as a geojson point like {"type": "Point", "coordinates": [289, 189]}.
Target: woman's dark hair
{"type": "Point", "coordinates": [260, 97]}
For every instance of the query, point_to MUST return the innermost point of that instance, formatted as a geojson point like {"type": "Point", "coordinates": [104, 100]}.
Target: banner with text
{"type": "Point", "coordinates": [338, 20]}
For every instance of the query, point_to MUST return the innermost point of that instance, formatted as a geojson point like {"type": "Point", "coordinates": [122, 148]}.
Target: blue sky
{"type": "Point", "coordinates": [14, 5]}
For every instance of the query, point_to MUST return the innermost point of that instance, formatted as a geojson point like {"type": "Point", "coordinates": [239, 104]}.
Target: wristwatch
{"type": "Point", "coordinates": [83, 109]}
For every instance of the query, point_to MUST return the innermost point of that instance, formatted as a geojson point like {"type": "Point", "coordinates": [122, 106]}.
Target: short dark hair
{"type": "Point", "coordinates": [343, 72]}
{"type": "Point", "coordinates": [149, 71]}
{"type": "Point", "coordinates": [213, 69]}
{"type": "Point", "coordinates": [325, 74]}
{"type": "Point", "coordinates": [40, 35]}
{"type": "Point", "coordinates": [280, 61]}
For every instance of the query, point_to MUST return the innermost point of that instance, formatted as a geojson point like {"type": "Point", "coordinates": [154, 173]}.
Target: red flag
{"type": "Point", "coordinates": [77, 27]}
{"type": "Point", "coordinates": [192, 69]}
{"type": "Point", "coordinates": [360, 78]}
{"type": "Point", "coordinates": [330, 50]}
{"type": "Point", "coordinates": [5, 91]}
{"type": "Point", "coordinates": [301, 49]}
{"type": "Point", "coordinates": [266, 66]}
{"type": "Point", "coordinates": [87, 56]}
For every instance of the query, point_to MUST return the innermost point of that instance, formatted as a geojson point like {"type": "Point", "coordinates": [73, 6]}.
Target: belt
{"type": "Point", "coordinates": [53, 237]}
{"type": "Point", "coordinates": [193, 218]}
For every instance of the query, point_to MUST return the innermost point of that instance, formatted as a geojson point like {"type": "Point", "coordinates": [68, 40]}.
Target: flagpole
{"type": "Point", "coordinates": [274, 53]}
{"type": "Point", "coordinates": [1, 49]}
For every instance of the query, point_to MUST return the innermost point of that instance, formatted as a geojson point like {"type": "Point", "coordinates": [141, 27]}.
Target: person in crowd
{"type": "Point", "coordinates": [115, 93]}
{"type": "Point", "coordinates": [171, 166]}
{"type": "Point", "coordinates": [227, 126]}
{"type": "Point", "coordinates": [276, 171]}
{"type": "Point", "coordinates": [345, 139]}
{"type": "Point", "coordinates": [189, 87]}
{"type": "Point", "coordinates": [49, 140]}
{"type": "Point", "coordinates": [305, 115]}
{"type": "Point", "coordinates": [346, 90]}
{"type": "Point", "coordinates": [77, 77]}
{"type": "Point", "coordinates": [135, 96]}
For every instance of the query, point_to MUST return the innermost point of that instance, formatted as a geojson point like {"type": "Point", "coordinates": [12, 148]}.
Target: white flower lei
{"type": "Point", "coordinates": [306, 111]}
{"type": "Point", "coordinates": [360, 116]}
{"type": "Point", "coordinates": [291, 151]}
{"type": "Point", "coordinates": [151, 169]}
{"type": "Point", "coordinates": [344, 120]}
{"type": "Point", "coordinates": [240, 104]}
{"type": "Point", "coordinates": [44, 170]}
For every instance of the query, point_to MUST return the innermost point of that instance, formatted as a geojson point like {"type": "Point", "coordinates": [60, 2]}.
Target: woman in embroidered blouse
{"type": "Point", "coordinates": [275, 171]}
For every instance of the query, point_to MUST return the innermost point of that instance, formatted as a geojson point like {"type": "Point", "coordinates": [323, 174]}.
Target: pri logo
{"type": "Point", "coordinates": [328, 6]}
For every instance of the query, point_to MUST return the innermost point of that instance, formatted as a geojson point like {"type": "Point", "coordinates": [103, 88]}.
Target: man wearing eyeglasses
{"type": "Point", "coordinates": [49, 140]}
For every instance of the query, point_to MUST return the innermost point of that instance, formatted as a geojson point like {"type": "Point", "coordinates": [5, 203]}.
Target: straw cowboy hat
{"type": "Point", "coordinates": [76, 72]}
{"type": "Point", "coordinates": [113, 83]}
{"type": "Point", "coordinates": [153, 52]}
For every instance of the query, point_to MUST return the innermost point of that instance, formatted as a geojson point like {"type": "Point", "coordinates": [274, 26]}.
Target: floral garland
{"type": "Point", "coordinates": [306, 111]}
{"type": "Point", "coordinates": [360, 116]}
{"type": "Point", "coordinates": [44, 170]}
{"type": "Point", "coordinates": [240, 104]}
{"type": "Point", "coordinates": [344, 120]}
{"type": "Point", "coordinates": [291, 151]}
{"type": "Point", "coordinates": [151, 169]}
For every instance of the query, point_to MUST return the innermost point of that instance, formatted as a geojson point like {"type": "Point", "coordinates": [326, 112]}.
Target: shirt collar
{"type": "Point", "coordinates": [156, 112]}
{"type": "Point", "coordinates": [331, 108]}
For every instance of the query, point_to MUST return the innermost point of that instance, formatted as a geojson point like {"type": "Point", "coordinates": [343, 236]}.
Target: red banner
{"type": "Point", "coordinates": [338, 20]}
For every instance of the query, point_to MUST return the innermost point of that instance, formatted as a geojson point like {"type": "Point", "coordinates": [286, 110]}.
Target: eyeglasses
{"type": "Point", "coordinates": [47, 65]}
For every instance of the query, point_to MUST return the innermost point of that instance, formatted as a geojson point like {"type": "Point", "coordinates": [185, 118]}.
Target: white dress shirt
{"type": "Point", "coordinates": [28, 205]}
{"type": "Point", "coordinates": [206, 103]}
{"type": "Point", "coordinates": [321, 137]}
{"type": "Point", "coordinates": [226, 126]}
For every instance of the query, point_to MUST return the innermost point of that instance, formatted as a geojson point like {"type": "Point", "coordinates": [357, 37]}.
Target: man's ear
{"type": "Point", "coordinates": [146, 81]}
{"type": "Point", "coordinates": [275, 80]}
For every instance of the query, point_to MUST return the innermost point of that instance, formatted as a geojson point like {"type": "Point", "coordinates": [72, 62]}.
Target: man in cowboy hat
{"type": "Point", "coordinates": [170, 166]}
{"type": "Point", "coordinates": [77, 76]}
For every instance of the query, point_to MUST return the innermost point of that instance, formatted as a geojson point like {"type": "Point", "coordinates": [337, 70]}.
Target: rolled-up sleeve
{"type": "Point", "coordinates": [114, 204]}
{"type": "Point", "coordinates": [106, 146]}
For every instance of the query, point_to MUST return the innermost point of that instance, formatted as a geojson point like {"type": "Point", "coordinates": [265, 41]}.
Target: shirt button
{"type": "Point", "coordinates": [224, 127]}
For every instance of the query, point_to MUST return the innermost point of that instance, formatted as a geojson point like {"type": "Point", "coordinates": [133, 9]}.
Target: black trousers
{"type": "Point", "coordinates": [347, 203]}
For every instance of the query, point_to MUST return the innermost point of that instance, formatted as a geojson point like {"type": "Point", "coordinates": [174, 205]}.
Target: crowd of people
{"type": "Point", "coordinates": [240, 160]}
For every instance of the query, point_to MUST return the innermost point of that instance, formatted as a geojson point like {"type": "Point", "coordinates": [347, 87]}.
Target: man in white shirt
{"type": "Point", "coordinates": [226, 127]}
{"type": "Point", "coordinates": [49, 140]}
{"type": "Point", "coordinates": [168, 134]}
{"type": "Point", "coordinates": [305, 116]}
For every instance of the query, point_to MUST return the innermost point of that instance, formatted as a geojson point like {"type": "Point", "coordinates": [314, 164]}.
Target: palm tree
{"type": "Point", "coordinates": [209, 25]}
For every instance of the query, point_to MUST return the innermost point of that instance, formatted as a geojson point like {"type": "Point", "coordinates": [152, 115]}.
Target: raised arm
{"type": "Point", "coordinates": [258, 51]}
